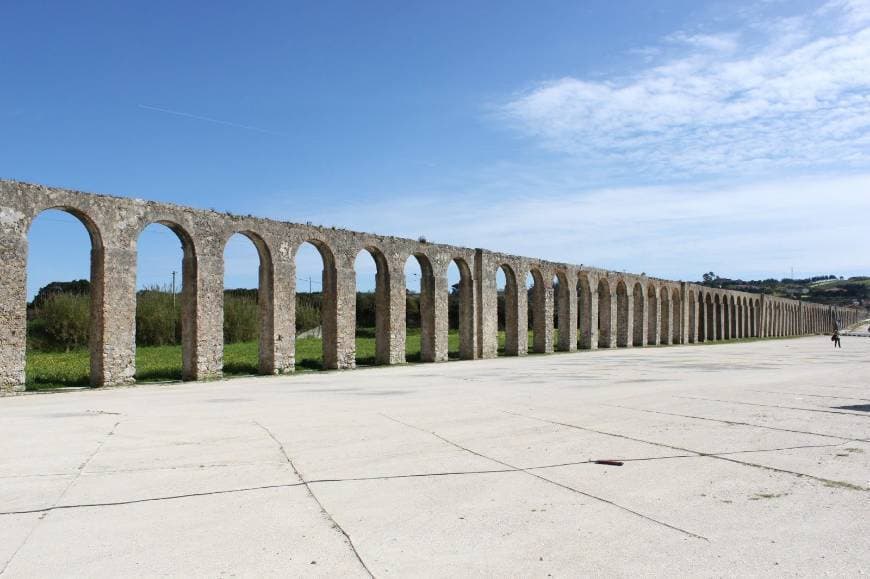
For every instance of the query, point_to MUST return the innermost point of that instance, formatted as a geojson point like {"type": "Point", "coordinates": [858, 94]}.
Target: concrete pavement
{"type": "Point", "coordinates": [746, 458]}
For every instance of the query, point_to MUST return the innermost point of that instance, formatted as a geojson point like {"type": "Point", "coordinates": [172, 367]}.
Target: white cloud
{"type": "Point", "coordinates": [800, 98]}
{"type": "Point", "coordinates": [761, 229]}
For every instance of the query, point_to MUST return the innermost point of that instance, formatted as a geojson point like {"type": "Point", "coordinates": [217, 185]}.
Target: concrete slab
{"type": "Point", "coordinates": [455, 469]}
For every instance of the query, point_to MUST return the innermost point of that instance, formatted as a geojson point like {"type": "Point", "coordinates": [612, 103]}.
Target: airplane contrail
{"type": "Point", "coordinates": [210, 120]}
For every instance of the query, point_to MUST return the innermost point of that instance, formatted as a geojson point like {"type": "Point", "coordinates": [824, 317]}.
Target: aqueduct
{"type": "Point", "coordinates": [596, 308]}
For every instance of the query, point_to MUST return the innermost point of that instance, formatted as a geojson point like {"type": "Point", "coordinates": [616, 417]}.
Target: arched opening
{"type": "Point", "coordinates": [316, 315]}
{"type": "Point", "coordinates": [584, 313]}
{"type": "Point", "coordinates": [460, 317]}
{"type": "Point", "coordinates": [373, 315]}
{"type": "Point", "coordinates": [419, 309]}
{"type": "Point", "coordinates": [621, 315]}
{"type": "Point", "coordinates": [604, 315]}
{"type": "Point", "coordinates": [165, 304]}
{"type": "Point", "coordinates": [508, 308]}
{"type": "Point", "coordinates": [665, 337]}
{"type": "Point", "coordinates": [638, 298]}
{"type": "Point", "coordinates": [248, 316]}
{"type": "Point", "coordinates": [652, 313]}
{"type": "Point", "coordinates": [717, 325]}
{"type": "Point", "coordinates": [64, 308]}
{"type": "Point", "coordinates": [693, 318]}
{"type": "Point", "coordinates": [537, 311]}
{"type": "Point", "coordinates": [676, 317]}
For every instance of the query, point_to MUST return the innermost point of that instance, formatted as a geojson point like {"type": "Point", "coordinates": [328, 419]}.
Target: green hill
{"type": "Point", "coordinates": [828, 289]}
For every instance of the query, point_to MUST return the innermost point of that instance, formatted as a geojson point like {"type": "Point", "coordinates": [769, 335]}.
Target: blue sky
{"type": "Point", "coordinates": [670, 138]}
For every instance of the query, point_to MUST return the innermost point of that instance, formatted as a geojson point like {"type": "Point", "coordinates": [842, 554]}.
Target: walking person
{"type": "Point", "coordinates": [835, 337]}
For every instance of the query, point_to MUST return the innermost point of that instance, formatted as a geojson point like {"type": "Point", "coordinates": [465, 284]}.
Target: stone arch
{"type": "Point", "coordinates": [676, 317]}
{"type": "Point", "coordinates": [652, 315]}
{"type": "Point", "coordinates": [329, 312]}
{"type": "Point", "coordinates": [265, 300]}
{"type": "Point", "coordinates": [584, 313]}
{"type": "Point", "coordinates": [466, 309]}
{"type": "Point", "coordinates": [386, 348]}
{"type": "Point", "coordinates": [565, 317]}
{"type": "Point", "coordinates": [428, 351]}
{"type": "Point", "coordinates": [512, 334]}
{"type": "Point", "coordinates": [192, 367]}
{"type": "Point", "coordinates": [97, 280]}
{"type": "Point", "coordinates": [665, 318]}
{"type": "Point", "coordinates": [604, 314]}
{"type": "Point", "coordinates": [638, 311]}
{"type": "Point", "coordinates": [622, 337]}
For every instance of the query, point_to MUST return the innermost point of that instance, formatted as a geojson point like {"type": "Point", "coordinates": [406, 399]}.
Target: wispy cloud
{"type": "Point", "coordinates": [210, 120]}
{"type": "Point", "coordinates": [798, 96]}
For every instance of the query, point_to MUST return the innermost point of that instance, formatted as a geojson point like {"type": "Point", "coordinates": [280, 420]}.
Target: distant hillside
{"type": "Point", "coordinates": [827, 289]}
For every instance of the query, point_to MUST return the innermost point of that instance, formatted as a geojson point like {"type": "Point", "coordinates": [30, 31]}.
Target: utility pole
{"type": "Point", "coordinates": [309, 284]}
{"type": "Point", "coordinates": [173, 289]}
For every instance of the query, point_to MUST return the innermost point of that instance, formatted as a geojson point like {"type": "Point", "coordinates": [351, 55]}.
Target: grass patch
{"type": "Point", "coordinates": [54, 370]}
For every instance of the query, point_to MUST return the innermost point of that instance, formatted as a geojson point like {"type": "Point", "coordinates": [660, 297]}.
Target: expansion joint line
{"type": "Point", "coordinates": [774, 406]}
{"type": "Point", "coordinates": [63, 493]}
{"type": "Point", "coordinates": [738, 423]}
{"type": "Point", "coordinates": [720, 456]}
{"type": "Point", "coordinates": [547, 480]}
{"type": "Point", "coordinates": [323, 510]}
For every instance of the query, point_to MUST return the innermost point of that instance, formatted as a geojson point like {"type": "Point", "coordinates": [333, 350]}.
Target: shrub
{"type": "Point", "coordinates": [65, 320]}
{"type": "Point", "coordinates": [158, 320]}
{"type": "Point", "coordinates": [241, 319]}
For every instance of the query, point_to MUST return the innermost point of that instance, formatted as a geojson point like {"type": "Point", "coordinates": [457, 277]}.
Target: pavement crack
{"type": "Point", "coordinates": [735, 423]}
{"type": "Point", "coordinates": [311, 493]}
{"type": "Point", "coordinates": [813, 395]}
{"type": "Point", "coordinates": [550, 481]}
{"type": "Point", "coordinates": [775, 406]}
{"type": "Point", "coordinates": [62, 494]}
{"type": "Point", "coordinates": [825, 481]}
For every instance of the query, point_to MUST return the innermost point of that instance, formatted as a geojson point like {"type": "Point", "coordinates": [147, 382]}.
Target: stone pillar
{"type": "Point", "coordinates": [468, 315]}
{"type": "Point", "coordinates": [665, 318]}
{"type": "Point", "coordinates": [593, 316]}
{"type": "Point", "coordinates": [585, 308]}
{"type": "Point", "coordinates": [113, 316]}
{"type": "Point", "coordinates": [652, 317]}
{"type": "Point", "coordinates": [441, 328]}
{"type": "Point", "coordinates": [396, 295]}
{"type": "Point", "coordinates": [486, 298]}
{"type": "Point", "coordinates": [522, 316]}
{"type": "Point", "coordinates": [339, 349]}
{"type": "Point", "coordinates": [542, 320]}
{"type": "Point", "coordinates": [280, 341]}
{"type": "Point", "coordinates": [202, 303]}
{"type": "Point", "coordinates": [629, 317]}
{"type": "Point", "coordinates": [13, 301]}
{"type": "Point", "coordinates": [567, 314]}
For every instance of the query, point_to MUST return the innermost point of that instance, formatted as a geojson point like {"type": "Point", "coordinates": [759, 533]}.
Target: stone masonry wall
{"type": "Point", "coordinates": [591, 307]}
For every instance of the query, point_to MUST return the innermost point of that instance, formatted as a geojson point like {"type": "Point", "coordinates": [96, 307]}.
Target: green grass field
{"type": "Point", "coordinates": [50, 370]}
